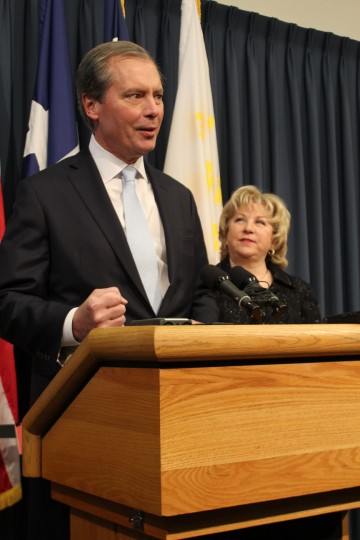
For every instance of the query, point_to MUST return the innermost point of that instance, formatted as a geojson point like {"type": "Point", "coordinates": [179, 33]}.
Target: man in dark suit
{"type": "Point", "coordinates": [65, 264]}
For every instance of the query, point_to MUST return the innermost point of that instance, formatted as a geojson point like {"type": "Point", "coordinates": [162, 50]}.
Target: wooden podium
{"type": "Point", "coordinates": [174, 432]}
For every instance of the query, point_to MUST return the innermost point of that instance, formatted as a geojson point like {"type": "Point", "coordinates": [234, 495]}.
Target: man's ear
{"type": "Point", "coordinates": [90, 107]}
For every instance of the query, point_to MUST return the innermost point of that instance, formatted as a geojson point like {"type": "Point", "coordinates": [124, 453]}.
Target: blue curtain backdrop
{"type": "Point", "coordinates": [287, 113]}
{"type": "Point", "coordinates": [287, 110]}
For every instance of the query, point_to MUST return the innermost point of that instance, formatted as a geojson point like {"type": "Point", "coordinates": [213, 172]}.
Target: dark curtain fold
{"type": "Point", "coordinates": [85, 25]}
{"type": "Point", "coordinates": [18, 59]}
{"type": "Point", "coordinates": [167, 56]}
{"type": "Point", "coordinates": [312, 168]}
{"type": "Point", "coordinates": [273, 105]}
{"type": "Point", "coordinates": [349, 172]}
{"type": "Point", "coordinates": [155, 25]}
{"type": "Point", "coordinates": [291, 183]}
{"type": "Point", "coordinates": [5, 78]}
{"type": "Point", "coordinates": [286, 103]}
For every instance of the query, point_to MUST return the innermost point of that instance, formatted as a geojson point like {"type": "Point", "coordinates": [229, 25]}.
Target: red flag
{"type": "Point", "coordinates": [10, 485]}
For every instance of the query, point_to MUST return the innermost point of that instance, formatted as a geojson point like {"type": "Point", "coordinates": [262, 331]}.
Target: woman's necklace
{"type": "Point", "coordinates": [264, 276]}
{"type": "Point", "coordinates": [263, 280]}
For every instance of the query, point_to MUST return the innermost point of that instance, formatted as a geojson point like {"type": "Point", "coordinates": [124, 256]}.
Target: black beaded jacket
{"type": "Point", "coordinates": [296, 294]}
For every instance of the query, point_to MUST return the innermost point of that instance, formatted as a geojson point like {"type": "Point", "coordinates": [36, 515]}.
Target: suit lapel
{"type": "Point", "coordinates": [166, 209]}
{"type": "Point", "coordinates": [86, 180]}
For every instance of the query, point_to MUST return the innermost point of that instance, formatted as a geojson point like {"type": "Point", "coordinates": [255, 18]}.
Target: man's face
{"type": "Point", "coordinates": [129, 117]}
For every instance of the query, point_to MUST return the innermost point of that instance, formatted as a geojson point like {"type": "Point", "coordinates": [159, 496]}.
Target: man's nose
{"type": "Point", "coordinates": [152, 107]}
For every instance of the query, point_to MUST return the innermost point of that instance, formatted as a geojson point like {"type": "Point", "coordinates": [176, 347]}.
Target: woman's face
{"type": "Point", "coordinates": [250, 234]}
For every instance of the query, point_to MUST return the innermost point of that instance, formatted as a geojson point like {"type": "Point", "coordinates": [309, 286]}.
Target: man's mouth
{"type": "Point", "coordinates": [149, 130]}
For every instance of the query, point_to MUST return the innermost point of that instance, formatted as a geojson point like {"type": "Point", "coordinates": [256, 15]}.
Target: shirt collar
{"type": "Point", "coordinates": [109, 165]}
{"type": "Point", "coordinates": [279, 274]}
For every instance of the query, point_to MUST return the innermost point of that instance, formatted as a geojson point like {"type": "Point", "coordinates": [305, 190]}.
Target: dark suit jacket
{"type": "Point", "coordinates": [64, 240]}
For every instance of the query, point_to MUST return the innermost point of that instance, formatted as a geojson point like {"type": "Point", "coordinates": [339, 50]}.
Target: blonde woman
{"type": "Point", "coordinates": [253, 233]}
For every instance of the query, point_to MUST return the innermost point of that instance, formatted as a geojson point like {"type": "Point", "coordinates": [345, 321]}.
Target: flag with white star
{"type": "Point", "coordinates": [52, 133]}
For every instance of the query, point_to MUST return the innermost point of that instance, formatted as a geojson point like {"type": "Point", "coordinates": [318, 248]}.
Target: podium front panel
{"type": "Point", "coordinates": [192, 437]}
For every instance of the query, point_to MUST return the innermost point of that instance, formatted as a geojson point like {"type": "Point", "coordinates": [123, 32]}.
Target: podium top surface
{"type": "Point", "coordinates": [219, 342]}
{"type": "Point", "coordinates": [204, 344]}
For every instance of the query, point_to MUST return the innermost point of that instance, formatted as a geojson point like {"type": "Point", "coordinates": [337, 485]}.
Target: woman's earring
{"type": "Point", "coordinates": [271, 252]}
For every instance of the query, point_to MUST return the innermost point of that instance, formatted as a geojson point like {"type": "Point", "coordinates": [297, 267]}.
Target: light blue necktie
{"type": "Point", "coordinates": [140, 240]}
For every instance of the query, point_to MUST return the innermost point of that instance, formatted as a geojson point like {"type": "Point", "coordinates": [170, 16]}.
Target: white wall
{"type": "Point", "coordinates": [342, 17]}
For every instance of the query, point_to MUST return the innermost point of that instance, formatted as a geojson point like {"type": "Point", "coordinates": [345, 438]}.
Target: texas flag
{"type": "Point", "coordinates": [52, 133]}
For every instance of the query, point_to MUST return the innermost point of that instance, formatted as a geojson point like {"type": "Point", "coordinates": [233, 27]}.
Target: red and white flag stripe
{"type": "Point", "coordinates": [10, 479]}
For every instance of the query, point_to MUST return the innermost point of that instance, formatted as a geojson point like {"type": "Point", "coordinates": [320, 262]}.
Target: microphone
{"type": "Point", "coordinates": [247, 281]}
{"type": "Point", "coordinates": [215, 278]}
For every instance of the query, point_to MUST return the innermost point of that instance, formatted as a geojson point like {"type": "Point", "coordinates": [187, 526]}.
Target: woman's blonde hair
{"type": "Point", "coordinates": [276, 210]}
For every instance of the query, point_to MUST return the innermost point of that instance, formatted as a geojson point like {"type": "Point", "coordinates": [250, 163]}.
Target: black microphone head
{"type": "Point", "coordinates": [215, 278]}
{"type": "Point", "coordinates": [249, 283]}
{"type": "Point", "coordinates": [212, 275]}
{"type": "Point", "coordinates": [245, 280]}
{"type": "Point", "coordinates": [241, 277]}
